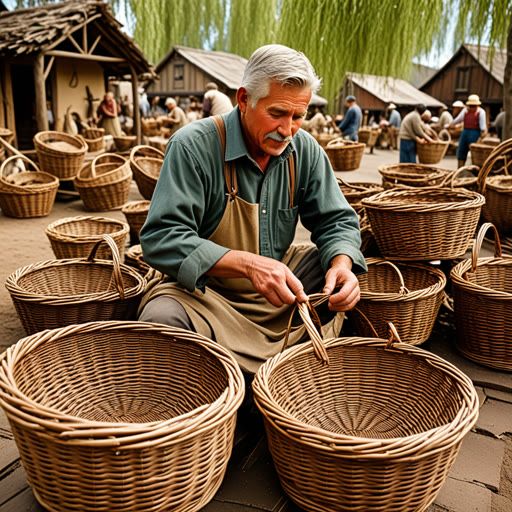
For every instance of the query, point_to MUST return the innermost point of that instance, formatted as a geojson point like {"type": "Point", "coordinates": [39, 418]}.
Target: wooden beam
{"type": "Point", "coordinates": [48, 68]}
{"type": "Point", "coordinates": [85, 40]}
{"type": "Point", "coordinates": [84, 56]}
{"type": "Point", "coordinates": [93, 47]}
{"type": "Point", "coordinates": [136, 110]}
{"type": "Point", "coordinates": [6, 78]}
{"type": "Point", "coordinates": [78, 27]}
{"type": "Point", "coordinates": [40, 94]}
{"type": "Point", "coordinates": [75, 44]}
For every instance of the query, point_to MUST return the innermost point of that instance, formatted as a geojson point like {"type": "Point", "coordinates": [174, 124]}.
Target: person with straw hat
{"type": "Point", "coordinates": [475, 126]}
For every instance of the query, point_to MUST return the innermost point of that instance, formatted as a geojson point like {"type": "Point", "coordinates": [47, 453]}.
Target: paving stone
{"type": "Point", "coordinates": [495, 417]}
{"type": "Point", "coordinates": [458, 496]}
{"type": "Point", "coordinates": [498, 395]}
{"type": "Point", "coordinates": [479, 461]}
{"type": "Point", "coordinates": [481, 395]}
{"type": "Point", "coordinates": [501, 503]}
{"type": "Point", "coordinates": [22, 502]}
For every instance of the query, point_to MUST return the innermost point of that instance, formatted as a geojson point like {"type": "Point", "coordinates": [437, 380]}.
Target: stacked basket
{"type": "Point", "coordinates": [104, 184]}
{"type": "Point", "coordinates": [345, 155]}
{"type": "Point", "coordinates": [146, 162]}
{"type": "Point", "coordinates": [136, 213]}
{"type": "Point", "coordinates": [412, 175]}
{"type": "Point", "coordinates": [26, 194]}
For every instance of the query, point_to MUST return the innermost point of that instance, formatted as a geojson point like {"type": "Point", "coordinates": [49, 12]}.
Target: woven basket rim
{"type": "Point", "coordinates": [94, 183]}
{"type": "Point", "coordinates": [39, 139]}
{"type": "Point", "coordinates": [141, 206]}
{"type": "Point", "coordinates": [52, 231]}
{"type": "Point", "coordinates": [90, 433]}
{"type": "Point", "coordinates": [36, 188]}
{"type": "Point", "coordinates": [360, 447]}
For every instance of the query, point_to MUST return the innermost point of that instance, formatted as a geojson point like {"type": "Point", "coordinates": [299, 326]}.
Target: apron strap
{"type": "Point", "coordinates": [230, 171]}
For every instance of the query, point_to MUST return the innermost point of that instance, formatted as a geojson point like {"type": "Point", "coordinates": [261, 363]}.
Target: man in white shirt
{"type": "Point", "coordinates": [215, 102]}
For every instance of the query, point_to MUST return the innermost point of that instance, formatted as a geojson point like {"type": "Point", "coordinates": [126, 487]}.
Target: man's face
{"type": "Point", "coordinates": [277, 116]}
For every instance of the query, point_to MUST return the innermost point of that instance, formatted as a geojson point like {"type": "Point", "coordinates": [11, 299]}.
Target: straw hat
{"type": "Point", "coordinates": [391, 106]}
{"type": "Point", "coordinates": [473, 99]}
{"type": "Point", "coordinates": [457, 103]}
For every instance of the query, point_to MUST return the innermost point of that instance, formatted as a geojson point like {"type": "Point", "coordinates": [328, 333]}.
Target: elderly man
{"type": "Point", "coordinates": [215, 102]}
{"type": "Point", "coordinates": [412, 132]}
{"type": "Point", "coordinates": [352, 120]}
{"type": "Point", "coordinates": [224, 212]}
{"type": "Point", "coordinates": [176, 117]}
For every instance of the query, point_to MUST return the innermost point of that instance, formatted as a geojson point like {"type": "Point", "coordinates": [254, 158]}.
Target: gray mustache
{"type": "Point", "coordinates": [275, 135]}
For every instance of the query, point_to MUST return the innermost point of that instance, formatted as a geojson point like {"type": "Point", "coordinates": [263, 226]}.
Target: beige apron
{"type": "Point", "coordinates": [230, 310]}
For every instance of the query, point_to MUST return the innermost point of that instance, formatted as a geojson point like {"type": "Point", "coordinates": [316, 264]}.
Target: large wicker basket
{"type": "Point", "coordinates": [59, 153]}
{"type": "Point", "coordinates": [136, 213]}
{"type": "Point", "coordinates": [424, 224]}
{"type": "Point", "coordinates": [146, 162]}
{"type": "Point", "coordinates": [56, 293]}
{"type": "Point", "coordinates": [377, 428]}
{"type": "Point", "coordinates": [412, 175]}
{"type": "Point", "coordinates": [118, 416]}
{"type": "Point", "coordinates": [407, 295]}
{"type": "Point", "coordinates": [482, 292]}
{"type": "Point", "coordinates": [26, 194]}
{"type": "Point", "coordinates": [345, 155]}
{"type": "Point", "coordinates": [104, 184]}
{"type": "Point", "coordinates": [432, 152]}
{"type": "Point", "coordinates": [74, 237]}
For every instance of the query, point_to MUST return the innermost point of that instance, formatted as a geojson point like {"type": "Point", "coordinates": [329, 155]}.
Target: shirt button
{"type": "Point", "coordinates": [263, 211]}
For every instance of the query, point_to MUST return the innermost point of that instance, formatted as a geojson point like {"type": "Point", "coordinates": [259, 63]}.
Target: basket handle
{"type": "Point", "coordinates": [367, 321]}
{"type": "Point", "coordinates": [478, 244]}
{"type": "Point", "coordinates": [449, 179]}
{"type": "Point", "coordinates": [351, 185]}
{"type": "Point", "coordinates": [310, 318]}
{"type": "Point", "coordinates": [16, 157]}
{"type": "Point", "coordinates": [118, 276]}
{"type": "Point", "coordinates": [493, 157]}
{"type": "Point", "coordinates": [393, 336]}
{"type": "Point", "coordinates": [403, 289]}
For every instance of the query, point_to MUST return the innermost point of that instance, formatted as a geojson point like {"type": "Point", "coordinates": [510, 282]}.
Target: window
{"type": "Point", "coordinates": [463, 79]}
{"type": "Point", "coordinates": [179, 82]}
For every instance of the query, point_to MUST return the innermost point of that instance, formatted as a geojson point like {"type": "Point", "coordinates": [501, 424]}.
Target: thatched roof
{"type": "Point", "coordinates": [35, 30]}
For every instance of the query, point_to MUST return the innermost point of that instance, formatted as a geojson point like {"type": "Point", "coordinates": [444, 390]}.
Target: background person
{"type": "Point", "coordinates": [108, 115]}
{"type": "Point", "coordinates": [412, 133]}
{"type": "Point", "coordinates": [176, 117]}
{"type": "Point", "coordinates": [352, 120]}
{"type": "Point", "coordinates": [215, 102]}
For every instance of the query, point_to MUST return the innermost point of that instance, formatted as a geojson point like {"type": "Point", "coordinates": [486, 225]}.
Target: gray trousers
{"type": "Point", "coordinates": [168, 311]}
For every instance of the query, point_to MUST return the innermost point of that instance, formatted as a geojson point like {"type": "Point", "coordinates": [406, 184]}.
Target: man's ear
{"type": "Point", "coordinates": [242, 99]}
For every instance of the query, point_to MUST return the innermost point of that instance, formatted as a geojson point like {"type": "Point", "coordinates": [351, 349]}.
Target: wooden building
{"type": "Point", "coordinates": [374, 93]}
{"type": "Point", "coordinates": [471, 71]}
{"type": "Point", "coordinates": [58, 58]}
{"type": "Point", "coordinates": [184, 72]}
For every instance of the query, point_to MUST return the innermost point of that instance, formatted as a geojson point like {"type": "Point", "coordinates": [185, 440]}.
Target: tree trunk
{"type": "Point", "coordinates": [507, 88]}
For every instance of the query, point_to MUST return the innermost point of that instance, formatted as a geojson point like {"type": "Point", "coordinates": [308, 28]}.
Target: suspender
{"type": "Point", "coordinates": [230, 169]}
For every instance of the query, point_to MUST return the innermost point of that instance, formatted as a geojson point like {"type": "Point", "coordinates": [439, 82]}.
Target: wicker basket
{"type": "Point", "coordinates": [150, 127]}
{"type": "Point", "coordinates": [94, 145]}
{"type": "Point", "coordinates": [377, 428]}
{"type": "Point", "coordinates": [412, 175]}
{"type": "Point", "coordinates": [134, 258]}
{"type": "Point", "coordinates": [146, 162]}
{"type": "Point", "coordinates": [432, 152]}
{"type": "Point", "coordinates": [407, 295]}
{"type": "Point", "coordinates": [118, 416]}
{"type": "Point", "coordinates": [125, 143]}
{"type": "Point", "coordinates": [26, 194]}
{"type": "Point", "coordinates": [56, 293]}
{"type": "Point", "coordinates": [93, 133]}
{"type": "Point", "coordinates": [479, 153]}
{"type": "Point", "coordinates": [104, 184]}
{"type": "Point", "coordinates": [417, 224]}
{"type": "Point", "coordinates": [482, 292]}
{"type": "Point", "coordinates": [355, 192]}
{"type": "Point", "coordinates": [74, 237]}
{"type": "Point", "coordinates": [60, 154]}
{"type": "Point", "coordinates": [368, 136]}
{"type": "Point", "coordinates": [344, 155]}
{"type": "Point", "coordinates": [135, 213]}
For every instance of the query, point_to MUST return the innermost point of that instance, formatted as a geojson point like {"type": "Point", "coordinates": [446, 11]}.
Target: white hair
{"type": "Point", "coordinates": [277, 63]}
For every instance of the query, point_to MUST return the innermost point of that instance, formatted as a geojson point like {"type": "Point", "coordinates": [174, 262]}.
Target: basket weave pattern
{"type": "Point", "coordinates": [432, 152]}
{"type": "Point", "coordinates": [136, 213]}
{"type": "Point", "coordinates": [93, 437]}
{"type": "Point", "coordinates": [344, 155]}
{"type": "Point", "coordinates": [146, 162]}
{"type": "Point", "coordinates": [411, 175]}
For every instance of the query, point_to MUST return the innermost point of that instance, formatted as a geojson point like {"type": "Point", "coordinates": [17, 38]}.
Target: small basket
{"type": "Point", "coordinates": [482, 292]}
{"type": "Point", "coordinates": [368, 136]}
{"type": "Point", "coordinates": [93, 133]}
{"type": "Point", "coordinates": [345, 155]}
{"type": "Point", "coordinates": [117, 416]}
{"type": "Point", "coordinates": [94, 145]}
{"type": "Point", "coordinates": [324, 138]}
{"type": "Point", "coordinates": [56, 293]}
{"type": "Point", "coordinates": [146, 162]}
{"type": "Point", "coordinates": [355, 192]}
{"type": "Point", "coordinates": [424, 224]}
{"type": "Point", "coordinates": [136, 213]}
{"type": "Point", "coordinates": [104, 186]}
{"type": "Point", "coordinates": [479, 153]}
{"type": "Point", "coordinates": [352, 431]}
{"type": "Point", "coordinates": [27, 194]}
{"type": "Point", "coordinates": [125, 143]}
{"type": "Point", "coordinates": [150, 127]}
{"type": "Point", "coordinates": [74, 237]}
{"type": "Point", "coordinates": [432, 152]}
{"type": "Point", "coordinates": [407, 295]}
{"type": "Point", "coordinates": [411, 175]}
{"type": "Point", "coordinates": [134, 258]}
{"type": "Point", "coordinates": [60, 154]}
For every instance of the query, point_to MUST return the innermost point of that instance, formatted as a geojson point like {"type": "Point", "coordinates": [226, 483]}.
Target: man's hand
{"type": "Point", "coordinates": [340, 274]}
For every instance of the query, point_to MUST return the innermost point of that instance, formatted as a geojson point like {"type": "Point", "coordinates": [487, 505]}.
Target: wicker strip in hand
{"type": "Point", "coordinates": [121, 415]}
{"type": "Point", "coordinates": [482, 292]}
{"type": "Point", "coordinates": [342, 435]}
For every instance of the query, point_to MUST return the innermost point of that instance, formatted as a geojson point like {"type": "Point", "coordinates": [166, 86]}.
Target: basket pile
{"type": "Point", "coordinates": [146, 162]}
{"type": "Point", "coordinates": [117, 416]}
{"type": "Point", "coordinates": [59, 153]}
{"type": "Point", "coordinates": [407, 295]}
{"type": "Point", "coordinates": [424, 224]}
{"type": "Point", "coordinates": [412, 175]}
{"type": "Point", "coordinates": [368, 136]}
{"type": "Point", "coordinates": [482, 293]}
{"type": "Point", "coordinates": [355, 192]}
{"type": "Point", "coordinates": [56, 293]}
{"type": "Point", "coordinates": [74, 237]}
{"type": "Point", "coordinates": [342, 433]}
{"type": "Point", "coordinates": [345, 155]}
{"type": "Point", "coordinates": [150, 127]}
{"type": "Point", "coordinates": [136, 213]}
{"type": "Point", "coordinates": [432, 152]}
{"type": "Point", "coordinates": [125, 142]}
{"type": "Point", "coordinates": [104, 184]}
{"type": "Point", "coordinates": [26, 194]}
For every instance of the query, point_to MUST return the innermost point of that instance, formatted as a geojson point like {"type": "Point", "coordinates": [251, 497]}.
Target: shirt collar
{"type": "Point", "coordinates": [235, 144]}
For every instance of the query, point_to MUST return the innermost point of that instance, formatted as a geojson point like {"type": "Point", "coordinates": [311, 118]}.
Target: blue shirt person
{"type": "Point", "coordinates": [352, 120]}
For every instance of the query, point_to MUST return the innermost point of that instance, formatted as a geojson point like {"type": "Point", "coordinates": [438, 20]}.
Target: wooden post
{"type": "Point", "coordinates": [6, 79]}
{"type": "Point", "coordinates": [136, 110]}
{"type": "Point", "coordinates": [40, 94]}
